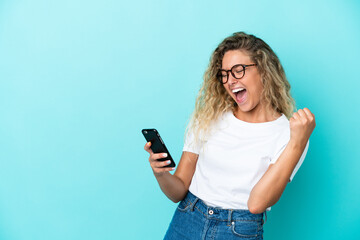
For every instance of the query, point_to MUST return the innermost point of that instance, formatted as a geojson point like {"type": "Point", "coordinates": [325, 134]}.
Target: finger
{"type": "Point", "coordinates": [157, 156]}
{"type": "Point", "coordinates": [161, 170]}
{"type": "Point", "coordinates": [147, 147]}
{"type": "Point", "coordinates": [308, 113]}
{"type": "Point", "coordinates": [160, 164]}
{"type": "Point", "coordinates": [302, 114]}
{"type": "Point", "coordinates": [168, 169]}
{"type": "Point", "coordinates": [295, 115]}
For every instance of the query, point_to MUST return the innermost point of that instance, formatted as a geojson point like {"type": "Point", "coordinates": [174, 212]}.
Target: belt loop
{"type": "Point", "coordinates": [193, 204]}
{"type": "Point", "coordinates": [230, 217]}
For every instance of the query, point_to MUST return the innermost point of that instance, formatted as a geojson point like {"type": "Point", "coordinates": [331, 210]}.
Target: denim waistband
{"type": "Point", "coordinates": [221, 214]}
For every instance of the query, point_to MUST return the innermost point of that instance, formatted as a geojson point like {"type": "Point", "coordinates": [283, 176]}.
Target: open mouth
{"type": "Point", "coordinates": [240, 94]}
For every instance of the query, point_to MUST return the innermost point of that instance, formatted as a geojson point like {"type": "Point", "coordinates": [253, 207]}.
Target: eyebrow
{"type": "Point", "coordinates": [233, 66]}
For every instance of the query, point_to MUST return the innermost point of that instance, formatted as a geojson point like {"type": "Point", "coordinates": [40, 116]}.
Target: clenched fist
{"type": "Point", "coordinates": [302, 124]}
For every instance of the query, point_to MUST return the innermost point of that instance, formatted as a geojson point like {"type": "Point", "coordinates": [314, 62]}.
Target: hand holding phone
{"type": "Point", "coordinates": [160, 158]}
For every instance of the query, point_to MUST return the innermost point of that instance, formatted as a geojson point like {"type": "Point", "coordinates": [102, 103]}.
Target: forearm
{"type": "Point", "coordinates": [271, 186]}
{"type": "Point", "coordinates": [172, 186]}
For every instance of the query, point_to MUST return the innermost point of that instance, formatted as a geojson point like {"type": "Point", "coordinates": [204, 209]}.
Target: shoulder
{"type": "Point", "coordinates": [282, 128]}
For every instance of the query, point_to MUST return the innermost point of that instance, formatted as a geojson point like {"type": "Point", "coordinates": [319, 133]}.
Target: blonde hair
{"type": "Point", "coordinates": [213, 100]}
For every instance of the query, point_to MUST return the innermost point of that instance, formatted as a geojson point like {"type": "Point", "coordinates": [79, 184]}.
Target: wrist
{"type": "Point", "coordinates": [297, 145]}
{"type": "Point", "coordinates": [161, 174]}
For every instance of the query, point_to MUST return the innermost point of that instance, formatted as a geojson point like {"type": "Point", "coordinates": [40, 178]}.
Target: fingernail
{"type": "Point", "coordinates": [168, 162]}
{"type": "Point", "coordinates": [172, 169]}
{"type": "Point", "coordinates": [149, 143]}
{"type": "Point", "coordinates": [165, 155]}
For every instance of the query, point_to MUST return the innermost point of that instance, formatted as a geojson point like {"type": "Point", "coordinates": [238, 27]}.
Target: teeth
{"type": "Point", "coordinates": [237, 90]}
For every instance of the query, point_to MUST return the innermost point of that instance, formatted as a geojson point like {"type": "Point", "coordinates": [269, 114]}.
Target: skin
{"type": "Point", "coordinates": [253, 108]}
{"type": "Point", "coordinates": [270, 187]}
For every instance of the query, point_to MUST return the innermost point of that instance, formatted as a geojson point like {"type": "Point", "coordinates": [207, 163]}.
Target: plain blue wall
{"type": "Point", "coordinates": [80, 79]}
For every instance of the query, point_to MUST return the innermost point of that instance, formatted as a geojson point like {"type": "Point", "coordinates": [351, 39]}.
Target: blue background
{"type": "Point", "coordinates": [80, 79]}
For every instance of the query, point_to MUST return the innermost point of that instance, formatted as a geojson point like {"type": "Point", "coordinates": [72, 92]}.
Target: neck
{"type": "Point", "coordinates": [257, 115]}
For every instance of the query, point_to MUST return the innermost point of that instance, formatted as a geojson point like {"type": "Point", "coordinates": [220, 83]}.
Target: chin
{"type": "Point", "coordinates": [245, 108]}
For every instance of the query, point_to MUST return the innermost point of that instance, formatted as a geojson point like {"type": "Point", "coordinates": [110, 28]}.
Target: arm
{"type": "Point", "coordinates": [176, 186]}
{"type": "Point", "coordinates": [271, 186]}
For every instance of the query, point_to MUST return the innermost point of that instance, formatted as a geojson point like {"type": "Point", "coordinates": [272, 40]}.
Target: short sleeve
{"type": "Point", "coordinates": [301, 160]}
{"type": "Point", "coordinates": [190, 145]}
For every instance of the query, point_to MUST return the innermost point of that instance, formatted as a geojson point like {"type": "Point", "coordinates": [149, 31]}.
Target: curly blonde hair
{"type": "Point", "coordinates": [213, 100]}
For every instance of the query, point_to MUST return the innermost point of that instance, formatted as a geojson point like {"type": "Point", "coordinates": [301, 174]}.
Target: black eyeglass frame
{"type": "Point", "coordinates": [219, 75]}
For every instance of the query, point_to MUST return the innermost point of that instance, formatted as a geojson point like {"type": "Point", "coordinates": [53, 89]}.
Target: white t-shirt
{"type": "Point", "coordinates": [235, 157]}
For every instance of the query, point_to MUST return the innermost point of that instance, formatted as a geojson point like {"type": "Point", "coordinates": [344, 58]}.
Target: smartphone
{"type": "Point", "coordinates": [157, 144]}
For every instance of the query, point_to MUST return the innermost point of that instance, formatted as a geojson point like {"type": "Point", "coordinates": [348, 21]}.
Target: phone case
{"type": "Point", "coordinates": [157, 144]}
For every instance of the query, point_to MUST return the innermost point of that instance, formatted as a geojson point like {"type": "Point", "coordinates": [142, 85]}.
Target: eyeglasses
{"type": "Point", "coordinates": [237, 71]}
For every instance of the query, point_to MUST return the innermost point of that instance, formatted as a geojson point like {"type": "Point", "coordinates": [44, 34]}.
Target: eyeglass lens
{"type": "Point", "coordinates": [237, 71]}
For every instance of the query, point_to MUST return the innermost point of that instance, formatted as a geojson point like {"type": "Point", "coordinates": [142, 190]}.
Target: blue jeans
{"type": "Point", "coordinates": [193, 219]}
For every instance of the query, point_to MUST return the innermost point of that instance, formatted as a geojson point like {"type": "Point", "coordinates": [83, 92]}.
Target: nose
{"type": "Point", "coordinates": [231, 79]}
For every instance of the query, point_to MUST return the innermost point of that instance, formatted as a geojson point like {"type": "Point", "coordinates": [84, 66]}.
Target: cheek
{"type": "Point", "coordinates": [256, 91]}
{"type": "Point", "coordinates": [259, 84]}
{"type": "Point", "coordinates": [227, 89]}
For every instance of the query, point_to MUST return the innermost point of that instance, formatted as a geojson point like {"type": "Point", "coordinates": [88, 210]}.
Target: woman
{"type": "Point", "coordinates": [243, 145]}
